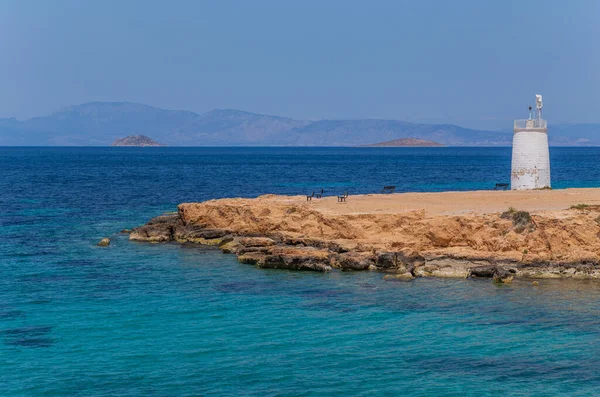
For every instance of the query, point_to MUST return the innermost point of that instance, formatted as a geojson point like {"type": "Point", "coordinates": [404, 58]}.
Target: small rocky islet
{"type": "Point", "coordinates": [282, 232]}
{"type": "Point", "coordinates": [137, 141]}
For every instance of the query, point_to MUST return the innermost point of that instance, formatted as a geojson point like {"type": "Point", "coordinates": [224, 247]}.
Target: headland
{"type": "Point", "coordinates": [500, 234]}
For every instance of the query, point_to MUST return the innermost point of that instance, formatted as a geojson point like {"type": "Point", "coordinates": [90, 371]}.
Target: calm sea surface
{"type": "Point", "coordinates": [165, 320]}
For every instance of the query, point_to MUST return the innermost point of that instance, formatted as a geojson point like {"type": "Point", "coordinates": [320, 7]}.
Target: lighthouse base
{"type": "Point", "coordinates": [530, 161]}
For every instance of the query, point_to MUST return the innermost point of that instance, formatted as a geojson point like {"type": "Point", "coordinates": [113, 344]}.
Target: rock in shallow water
{"type": "Point", "coordinates": [503, 276]}
{"type": "Point", "coordinates": [399, 277]}
{"type": "Point", "coordinates": [159, 229]}
{"type": "Point", "coordinates": [105, 242]}
{"type": "Point", "coordinates": [355, 261]}
{"type": "Point", "coordinates": [483, 271]}
{"type": "Point", "coordinates": [499, 274]}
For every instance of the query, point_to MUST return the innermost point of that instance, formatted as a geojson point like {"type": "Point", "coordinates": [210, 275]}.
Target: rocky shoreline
{"type": "Point", "coordinates": [280, 232]}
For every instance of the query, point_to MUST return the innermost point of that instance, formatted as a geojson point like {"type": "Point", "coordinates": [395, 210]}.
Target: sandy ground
{"type": "Point", "coordinates": [450, 203]}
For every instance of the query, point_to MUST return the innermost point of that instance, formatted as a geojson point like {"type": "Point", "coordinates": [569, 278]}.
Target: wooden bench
{"type": "Point", "coordinates": [388, 189]}
{"type": "Point", "coordinates": [320, 194]}
{"type": "Point", "coordinates": [501, 186]}
{"type": "Point", "coordinates": [309, 198]}
{"type": "Point", "coordinates": [343, 197]}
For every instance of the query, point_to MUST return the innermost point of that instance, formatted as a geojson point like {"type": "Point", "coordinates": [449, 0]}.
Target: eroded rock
{"type": "Point", "coordinates": [355, 261]}
{"type": "Point", "coordinates": [159, 229]}
{"type": "Point", "coordinates": [498, 273]}
{"type": "Point", "coordinates": [483, 271]}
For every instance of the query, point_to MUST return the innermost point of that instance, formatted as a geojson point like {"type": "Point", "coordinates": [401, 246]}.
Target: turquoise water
{"type": "Point", "coordinates": [166, 320]}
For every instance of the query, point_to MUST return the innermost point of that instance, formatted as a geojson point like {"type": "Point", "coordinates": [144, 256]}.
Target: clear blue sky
{"type": "Point", "coordinates": [471, 62]}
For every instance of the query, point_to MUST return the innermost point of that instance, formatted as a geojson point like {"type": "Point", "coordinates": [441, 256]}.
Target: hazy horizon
{"type": "Point", "coordinates": [506, 128]}
{"type": "Point", "coordinates": [472, 64]}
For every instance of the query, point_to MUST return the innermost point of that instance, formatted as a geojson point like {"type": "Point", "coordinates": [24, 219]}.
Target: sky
{"type": "Point", "coordinates": [470, 62]}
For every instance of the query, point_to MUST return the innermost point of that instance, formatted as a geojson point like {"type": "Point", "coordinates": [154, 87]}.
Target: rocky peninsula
{"type": "Point", "coordinates": [500, 234]}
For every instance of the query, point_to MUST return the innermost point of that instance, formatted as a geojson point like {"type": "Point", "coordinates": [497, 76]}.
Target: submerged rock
{"type": "Point", "coordinates": [399, 277]}
{"type": "Point", "coordinates": [506, 278]}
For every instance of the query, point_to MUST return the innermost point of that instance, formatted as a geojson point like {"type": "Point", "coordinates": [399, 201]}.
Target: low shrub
{"type": "Point", "coordinates": [580, 207]}
{"type": "Point", "coordinates": [520, 219]}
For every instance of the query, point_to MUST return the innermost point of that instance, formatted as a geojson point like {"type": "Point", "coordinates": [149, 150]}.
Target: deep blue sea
{"type": "Point", "coordinates": [137, 319]}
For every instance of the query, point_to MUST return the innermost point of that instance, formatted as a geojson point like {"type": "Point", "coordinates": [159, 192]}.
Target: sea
{"type": "Point", "coordinates": [138, 319]}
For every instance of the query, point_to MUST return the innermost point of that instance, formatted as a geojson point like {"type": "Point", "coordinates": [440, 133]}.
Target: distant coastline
{"type": "Point", "coordinates": [406, 142]}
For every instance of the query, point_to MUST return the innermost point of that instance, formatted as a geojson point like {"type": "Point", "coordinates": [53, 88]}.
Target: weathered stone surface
{"type": "Point", "coordinates": [311, 242]}
{"type": "Point", "coordinates": [241, 250]}
{"type": "Point", "coordinates": [295, 258]}
{"type": "Point", "coordinates": [386, 260]}
{"type": "Point", "coordinates": [354, 261]}
{"type": "Point", "coordinates": [498, 273]}
{"type": "Point", "coordinates": [291, 258]}
{"type": "Point", "coordinates": [292, 262]}
{"type": "Point", "coordinates": [584, 270]}
{"type": "Point", "coordinates": [407, 259]}
{"type": "Point", "coordinates": [192, 232]}
{"type": "Point", "coordinates": [256, 241]}
{"type": "Point", "coordinates": [159, 229]}
{"type": "Point", "coordinates": [251, 258]}
{"type": "Point", "coordinates": [483, 271]}
{"type": "Point", "coordinates": [443, 267]}
{"type": "Point", "coordinates": [231, 246]}
{"type": "Point", "coordinates": [105, 242]}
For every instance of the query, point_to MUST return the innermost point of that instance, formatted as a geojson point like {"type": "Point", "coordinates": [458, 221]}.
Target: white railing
{"type": "Point", "coordinates": [531, 124]}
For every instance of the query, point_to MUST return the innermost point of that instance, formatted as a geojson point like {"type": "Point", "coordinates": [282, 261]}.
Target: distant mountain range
{"type": "Point", "coordinates": [100, 123]}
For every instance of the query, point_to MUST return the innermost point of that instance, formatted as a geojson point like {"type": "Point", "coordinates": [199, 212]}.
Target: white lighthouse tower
{"type": "Point", "coordinates": [530, 155]}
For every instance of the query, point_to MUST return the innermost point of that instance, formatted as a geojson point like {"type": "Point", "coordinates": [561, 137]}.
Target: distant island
{"type": "Point", "coordinates": [408, 142]}
{"type": "Point", "coordinates": [136, 140]}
